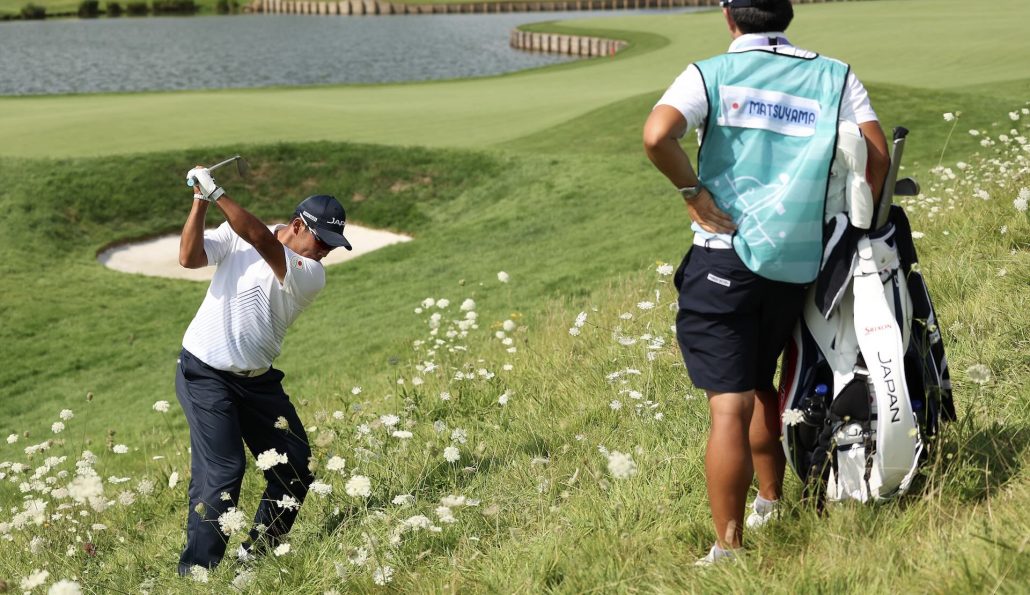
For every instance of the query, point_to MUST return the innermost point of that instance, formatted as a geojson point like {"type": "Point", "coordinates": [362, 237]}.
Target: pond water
{"type": "Point", "coordinates": [169, 53]}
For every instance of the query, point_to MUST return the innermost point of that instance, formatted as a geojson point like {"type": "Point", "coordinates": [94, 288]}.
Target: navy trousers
{"type": "Point", "coordinates": [224, 412]}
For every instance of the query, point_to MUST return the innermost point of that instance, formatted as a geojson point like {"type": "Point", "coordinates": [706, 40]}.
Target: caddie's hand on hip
{"type": "Point", "coordinates": [704, 212]}
{"type": "Point", "coordinates": [200, 178]}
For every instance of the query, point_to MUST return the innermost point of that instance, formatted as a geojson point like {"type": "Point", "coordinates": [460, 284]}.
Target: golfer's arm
{"type": "Point", "coordinates": [191, 244]}
{"type": "Point", "coordinates": [255, 233]}
{"type": "Point", "coordinates": [662, 132]}
{"type": "Point", "coordinates": [878, 161]}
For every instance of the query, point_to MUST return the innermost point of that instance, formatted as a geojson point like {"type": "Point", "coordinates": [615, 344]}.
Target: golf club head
{"type": "Point", "coordinates": [242, 167]}
{"type": "Point", "coordinates": [906, 187]}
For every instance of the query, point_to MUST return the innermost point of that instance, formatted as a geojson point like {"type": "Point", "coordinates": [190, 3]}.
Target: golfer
{"type": "Point", "coordinates": [225, 381]}
{"type": "Point", "coordinates": [767, 115]}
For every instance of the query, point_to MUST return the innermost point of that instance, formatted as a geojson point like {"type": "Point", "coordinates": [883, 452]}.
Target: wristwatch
{"type": "Point", "coordinates": [689, 192]}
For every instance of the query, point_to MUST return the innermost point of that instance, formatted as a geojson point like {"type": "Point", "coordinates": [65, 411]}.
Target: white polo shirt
{"type": "Point", "coordinates": [241, 324]}
{"type": "Point", "coordinates": [688, 95]}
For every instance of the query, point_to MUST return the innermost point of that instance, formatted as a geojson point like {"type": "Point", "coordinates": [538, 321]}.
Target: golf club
{"type": "Point", "coordinates": [242, 168]}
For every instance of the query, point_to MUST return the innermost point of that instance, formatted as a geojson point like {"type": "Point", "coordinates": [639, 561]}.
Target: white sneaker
{"type": "Point", "coordinates": [757, 519]}
{"type": "Point", "coordinates": [715, 557]}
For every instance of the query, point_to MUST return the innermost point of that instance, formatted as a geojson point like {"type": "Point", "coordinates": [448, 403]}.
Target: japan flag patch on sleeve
{"type": "Point", "coordinates": [790, 115]}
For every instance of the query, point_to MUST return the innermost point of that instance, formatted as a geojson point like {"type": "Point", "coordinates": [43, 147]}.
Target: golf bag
{"type": "Point", "coordinates": [865, 380]}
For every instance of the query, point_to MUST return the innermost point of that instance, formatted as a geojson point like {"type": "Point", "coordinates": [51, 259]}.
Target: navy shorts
{"type": "Point", "coordinates": [732, 324]}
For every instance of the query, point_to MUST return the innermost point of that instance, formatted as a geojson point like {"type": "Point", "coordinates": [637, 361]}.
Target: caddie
{"type": "Point", "coordinates": [225, 381]}
{"type": "Point", "coordinates": [767, 116]}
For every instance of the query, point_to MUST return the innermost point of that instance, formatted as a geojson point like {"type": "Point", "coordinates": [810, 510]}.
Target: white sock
{"type": "Point", "coordinates": [763, 506]}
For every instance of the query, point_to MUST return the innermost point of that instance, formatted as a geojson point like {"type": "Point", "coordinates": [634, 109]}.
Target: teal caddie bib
{"type": "Point", "coordinates": [766, 153]}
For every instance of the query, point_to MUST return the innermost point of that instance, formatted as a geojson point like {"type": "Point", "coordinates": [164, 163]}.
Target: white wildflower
{"type": "Point", "coordinates": [232, 521]}
{"type": "Point", "coordinates": [120, 449]}
{"type": "Point", "coordinates": [270, 458]}
{"type": "Point", "coordinates": [288, 502]}
{"type": "Point", "coordinates": [66, 414]}
{"type": "Point", "coordinates": [199, 574]}
{"type": "Point", "coordinates": [645, 305]}
{"type": "Point", "coordinates": [336, 464]}
{"type": "Point", "coordinates": [358, 486]}
{"type": "Point", "coordinates": [665, 269]}
{"type": "Point", "coordinates": [65, 587]}
{"type": "Point", "coordinates": [321, 488]}
{"type": "Point", "coordinates": [161, 406]}
{"type": "Point", "coordinates": [384, 574]}
{"type": "Point", "coordinates": [451, 454]}
{"type": "Point", "coordinates": [11, 439]}
{"type": "Point", "coordinates": [282, 549]}
{"type": "Point", "coordinates": [443, 303]}
{"type": "Point", "coordinates": [979, 373]}
{"type": "Point", "coordinates": [503, 399]}
{"type": "Point", "coordinates": [34, 579]}
{"type": "Point", "coordinates": [621, 465]}
{"type": "Point", "coordinates": [404, 500]}
{"type": "Point", "coordinates": [792, 417]}
{"type": "Point", "coordinates": [615, 405]}
{"type": "Point", "coordinates": [503, 277]}
{"type": "Point", "coordinates": [389, 420]}
{"type": "Point", "coordinates": [459, 436]}
{"type": "Point", "coordinates": [468, 304]}
{"type": "Point", "coordinates": [574, 331]}
{"type": "Point", "coordinates": [402, 434]}
{"type": "Point", "coordinates": [57, 427]}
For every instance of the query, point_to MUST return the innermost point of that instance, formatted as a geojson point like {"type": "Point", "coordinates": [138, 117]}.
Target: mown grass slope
{"type": "Point", "coordinates": [935, 44]}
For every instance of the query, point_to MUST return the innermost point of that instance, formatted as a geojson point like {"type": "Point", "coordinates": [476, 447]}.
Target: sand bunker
{"type": "Point", "coordinates": [160, 257]}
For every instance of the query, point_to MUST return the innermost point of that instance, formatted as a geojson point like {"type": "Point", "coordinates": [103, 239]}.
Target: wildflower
{"type": "Point", "coordinates": [281, 423]}
{"type": "Point", "coordinates": [11, 439]}
{"type": "Point", "coordinates": [974, 132]}
{"type": "Point", "coordinates": [402, 434]}
{"type": "Point", "coordinates": [574, 331]}
{"type": "Point", "coordinates": [443, 303]}
{"type": "Point", "coordinates": [917, 235]}
{"type": "Point", "coordinates": [355, 390]}
{"type": "Point", "coordinates": [1003, 230]}
{"type": "Point", "coordinates": [615, 405]}
{"type": "Point", "coordinates": [282, 549]}
{"type": "Point", "coordinates": [232, 521]}
{"type": "Point", "coordinates": [792, 417]}
{"type": "Point", "coordinates": [1024, 199]}
{"type": "Point", "coordinates": [66, 414]}
{"type": "Point", "coordinates": [1014, 116]}
{"type": "Point", "coordinates": [34, 580]}
{"type": "Point", "coordinates": [428, 302]}
{"type": "Point", "coordinates": [645, 305]}
{"type": "Point", "coordinates": [243, 580]}
{"type": "Point", "coordinates": [467, 305]}
{"type": "Point", "coordinates": [126, 498]}
{"type": "Point", "coordinates": [57, 427]}
{"type": "Point", "coordinates": [358, 486]}
{"type": "Point", "coordinates": [445, 396]}
{"type": "Point", "coordinates": [199, 574]}
{"type": "Point", "coordinates": [145, 487]}
{"type": "Point", "coordinates": [85, 487]}
{"type": "Point", "coordinates": [416, 381]}
{"type": "Point", "coordinates": [321, 488]}
{"type": "Point", "coordinates": [979, 373]}
{"type": "Point", "coordinates": [949, 117]}
{"type": "Point", "coordinates": [384, 574]}
{"type": "Point", "coordinates": [451, 454]}
{"type": "Point", "coordinates": [358, 556]}
{"type": "Point", "coordinates": [389, 420]}
{"type": "Point", "coordinates": [621, 465]}
{"type": "Point", "coordinates": [507, 367]}
{"type": "Point", "coordinates": [120, 449]}
{"type": "Point", "coordinates": [503, 399]}
{"type": "Point", "coordinates": [459, 436]}
{"type": "Point", "coordinates": [446, 514]}
{"type": "Point", "coordinates": [665, 269]}
{"type": "Point", "coordinates": [270, 458]}
{"type": "Point", "coordinates": [509, 325]}
{"type": "Point", "coordinates": [65, 587]}
{"type": "Point", "coordinates": [503, 277]}
{"type": "Point", "coordinates": [161, 406]}
{"type": "Point", "coordinates": [404, 500]}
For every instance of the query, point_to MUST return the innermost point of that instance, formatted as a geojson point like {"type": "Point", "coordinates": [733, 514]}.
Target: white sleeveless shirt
{"type": "Point", "coordinates": [241, 324]}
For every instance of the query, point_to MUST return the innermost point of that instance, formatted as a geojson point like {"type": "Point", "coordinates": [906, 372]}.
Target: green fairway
{"type": "Point", "coordinates": [936, 44]}
{"type": "Point", "coordinates": [540, 175]}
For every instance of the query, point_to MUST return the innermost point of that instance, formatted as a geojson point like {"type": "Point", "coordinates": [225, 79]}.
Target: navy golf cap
{"type": "Point", "coordinates": [324, 216]}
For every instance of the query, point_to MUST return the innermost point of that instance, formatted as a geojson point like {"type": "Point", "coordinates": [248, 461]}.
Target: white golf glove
{"type": "Point", "coordinates": [201, 176]}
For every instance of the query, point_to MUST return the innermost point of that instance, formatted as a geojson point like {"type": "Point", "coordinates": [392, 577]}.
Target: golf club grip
{"type": "Point", "coordinates": [887, 195]}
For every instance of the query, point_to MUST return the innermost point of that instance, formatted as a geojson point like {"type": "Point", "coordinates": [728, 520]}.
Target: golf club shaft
{"type": "Point", "coordinates": [193, 181]}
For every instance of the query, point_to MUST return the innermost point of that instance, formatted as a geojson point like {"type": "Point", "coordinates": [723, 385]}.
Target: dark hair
{"type": "Point", "coordinates": [763, 16]}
